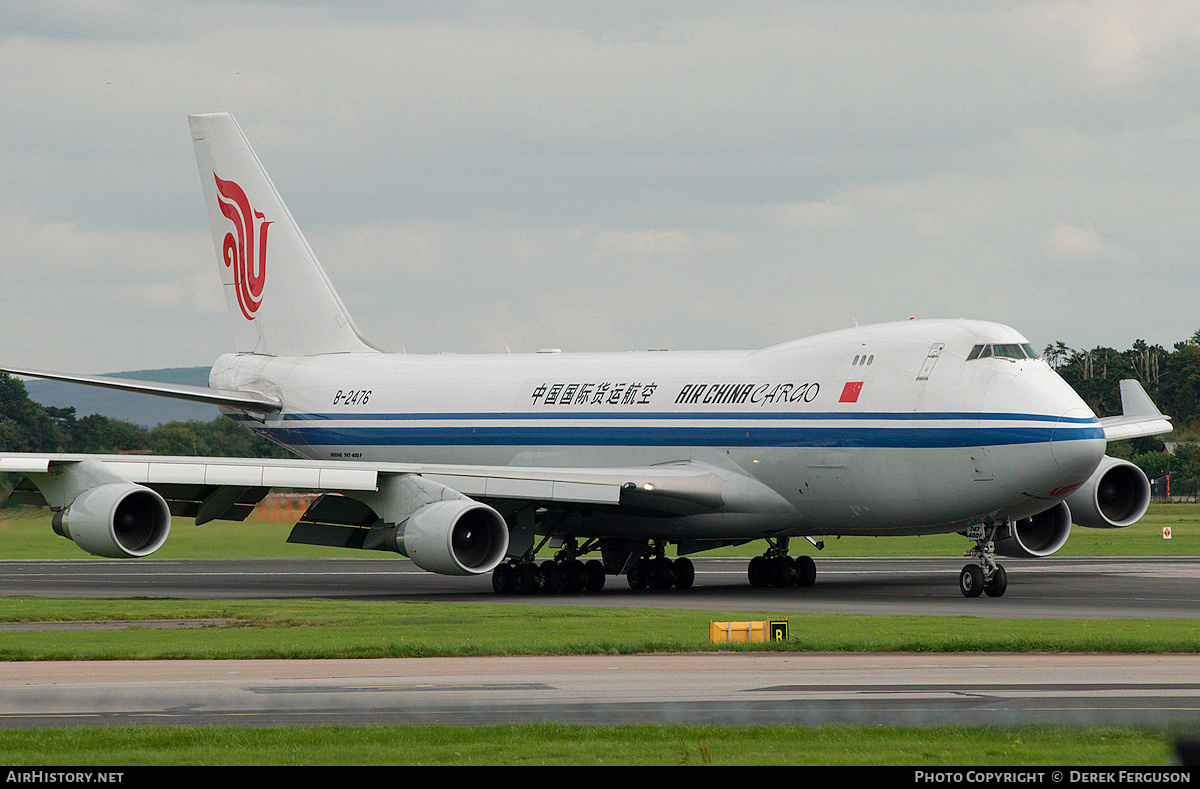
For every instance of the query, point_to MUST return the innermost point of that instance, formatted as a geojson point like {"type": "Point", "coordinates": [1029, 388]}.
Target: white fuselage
{"type": "Point", "coordinates": [885, 429]}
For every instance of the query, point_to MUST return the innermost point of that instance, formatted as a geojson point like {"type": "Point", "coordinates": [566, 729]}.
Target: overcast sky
{"type": "Point", "coordinates": [607, 176]}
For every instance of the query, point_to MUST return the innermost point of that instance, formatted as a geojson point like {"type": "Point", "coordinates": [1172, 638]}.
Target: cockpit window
{"type": "Point", "coordinates": [1003, 350]}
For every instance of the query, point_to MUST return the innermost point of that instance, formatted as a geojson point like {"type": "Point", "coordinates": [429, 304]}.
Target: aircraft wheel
{"type": "Point", "coordinates": [997, 584]}
{"type": "Point", "coordinates": [970, 580]}
{"type": "Point", "coordinates": [637, 575]}
{"type": "Point", "coordinates": [661, 574]}
{"type": "Point", "coordinates": [574, 576]}
{"type": "Point", "coordinates": [502, 579]}
{"type": "Point", "coordinates": [526, 577]}
{"type": "Point", "coordinates": [806, 571]}
{"type": "Point", "coordinates": [782, 571]}
{"type": "Point", "coordinates": [594, 571]}
{"type": "Point", "coordinates": [552, 581]}
{"type": "Point", "coordinates": [757, 572]}
{"type": "Point", "coordinates": [685, 573]}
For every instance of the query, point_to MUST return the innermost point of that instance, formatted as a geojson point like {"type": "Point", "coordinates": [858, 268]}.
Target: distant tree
{"type": "Point", "coordinates": [25, 426]}
{"type": "Point", "coordinates": [227, 438]}
{"type": "Point", "coordinates": [176, 438]}
{"type": "Point", "coordinates": [99, 435]}
{"type": "Point", "coordinates": [1057, 354]}
{"type": "Point", "coordinates": [1095, 375]}
{"type": "Point", "coordinates": [1144, 359]}
{"type": "Point", "coordinates": [221, 437]}
{"type": "Point", "coordinates": [1178, 392]}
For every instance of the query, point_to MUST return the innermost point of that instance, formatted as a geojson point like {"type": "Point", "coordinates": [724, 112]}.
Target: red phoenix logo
{"type": "Point", "coordinates": [249, 273]}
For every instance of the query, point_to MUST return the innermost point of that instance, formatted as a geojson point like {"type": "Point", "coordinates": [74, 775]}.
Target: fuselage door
{"type": "Point", "coordinates": [981, 465]}
{"type": "Point", "coordinates": [935, 351]}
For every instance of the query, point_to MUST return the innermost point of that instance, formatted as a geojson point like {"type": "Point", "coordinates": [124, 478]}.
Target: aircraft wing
{"type": "Point", "coordinates": [120, 506]}
{"type": "Point", "coordinates": [229, 488]}
{"type": "Point", "coordinates": [1139, 415]}
{"type": "Point", "coordinates": [192, 486]}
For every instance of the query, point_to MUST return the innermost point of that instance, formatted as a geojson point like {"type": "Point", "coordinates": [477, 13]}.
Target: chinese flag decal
{"type": "Point", "coordinates": [850, 392]}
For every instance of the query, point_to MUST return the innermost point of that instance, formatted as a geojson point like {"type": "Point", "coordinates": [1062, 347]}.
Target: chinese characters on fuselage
{"type": "Point", "coordinates": [594, 394]}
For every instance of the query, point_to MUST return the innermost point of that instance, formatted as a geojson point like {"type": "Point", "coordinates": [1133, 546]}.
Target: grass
{"type": "Point", "coordinates": [551, 744]}
{"type": "Point", "coordinates": [313, 629]}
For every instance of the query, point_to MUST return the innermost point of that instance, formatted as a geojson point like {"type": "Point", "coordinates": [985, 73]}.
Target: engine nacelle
{"type": "Point", "coordinates": [1116, 495]}
{"type": "Point", "coordinates": [119, 520]}
{"type": "Point", "coordinates": [1037, 536]}
{"type": "Point", "coordinates": [455, 537]}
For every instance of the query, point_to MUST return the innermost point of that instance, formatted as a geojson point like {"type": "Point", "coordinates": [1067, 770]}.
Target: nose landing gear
{"type": "Point", "coordinates": [987, 577]}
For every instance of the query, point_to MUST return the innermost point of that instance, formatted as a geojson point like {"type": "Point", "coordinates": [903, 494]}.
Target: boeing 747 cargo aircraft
{"type": "Point", "coordinates": [616, 463]}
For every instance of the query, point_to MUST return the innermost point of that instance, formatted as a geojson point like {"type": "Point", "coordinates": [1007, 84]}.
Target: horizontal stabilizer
{"type": "Point", "coordinates": [251, 401]}
{"type": "Point", "coordinates": [1139, 415]}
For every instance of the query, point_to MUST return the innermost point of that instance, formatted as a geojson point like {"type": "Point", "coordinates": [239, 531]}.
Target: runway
{"type": "Point", "coordinates": [719, 688]}
{"type": "Point", "coordinates": [1066, 588]}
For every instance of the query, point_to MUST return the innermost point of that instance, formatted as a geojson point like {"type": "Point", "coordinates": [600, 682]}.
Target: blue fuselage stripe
{"type": "Point", "coordinates": [486, 432]}
{"type": "Point", "coordinates": [675, 416]}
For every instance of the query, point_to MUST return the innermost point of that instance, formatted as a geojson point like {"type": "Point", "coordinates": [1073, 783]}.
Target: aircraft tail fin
{"type": "Point", "coordinates": [280, 301]}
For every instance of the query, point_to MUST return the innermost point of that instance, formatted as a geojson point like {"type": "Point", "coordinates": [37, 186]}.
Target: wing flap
{"type": "Point", "coordinates": [242, 472]}
{"type": "Point", "coordinates": [491, 487]}
{"type": "Point", "coordinates": [25, 464]}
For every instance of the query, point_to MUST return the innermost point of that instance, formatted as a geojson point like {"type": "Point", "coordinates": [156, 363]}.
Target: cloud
{"type": "Point", "coordinates": [591, 176]}
{"type": "Point", "coordinates": [1078, 243]}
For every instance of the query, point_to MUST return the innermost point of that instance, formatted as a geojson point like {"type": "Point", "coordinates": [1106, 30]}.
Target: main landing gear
{"type": "Point", "coordinates": [565, 573]}
{"type": "Point", "coordinates": [657, 571]}
{"type": "Point", "coordinates": [776, 569]}
{"type": "Point", "coordinates": [987, 577]}
{"type": "Point", "coordinates": [552, 576]}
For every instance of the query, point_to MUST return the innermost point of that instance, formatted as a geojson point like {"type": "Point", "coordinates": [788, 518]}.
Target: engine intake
{"type": "Point", "coordinates": [455, 537]}
{"type": "Point", "coordinates": [117, 521]}
{"type": "Point", "coordinates": [1116, 495]}
{"type": "Point", "coordinates": [1037, 536]}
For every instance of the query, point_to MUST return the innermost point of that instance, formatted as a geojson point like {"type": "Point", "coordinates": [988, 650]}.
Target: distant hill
{"type": "Point", "coordinates": [145, 410]}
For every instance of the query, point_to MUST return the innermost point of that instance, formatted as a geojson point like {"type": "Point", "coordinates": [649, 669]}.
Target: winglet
{"type": "Point", "coordinates": [1139, 415]}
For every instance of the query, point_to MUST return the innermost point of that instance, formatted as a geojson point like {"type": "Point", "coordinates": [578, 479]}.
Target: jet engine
{"type": "Point", "coordinates": [455, 537]}
{"type": "Point", "coordinates": [118, 520]}
{"type": "Point", "coordinates": [1117, 494]}
{"type": "Point", "coordinates": [1036, 536]}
